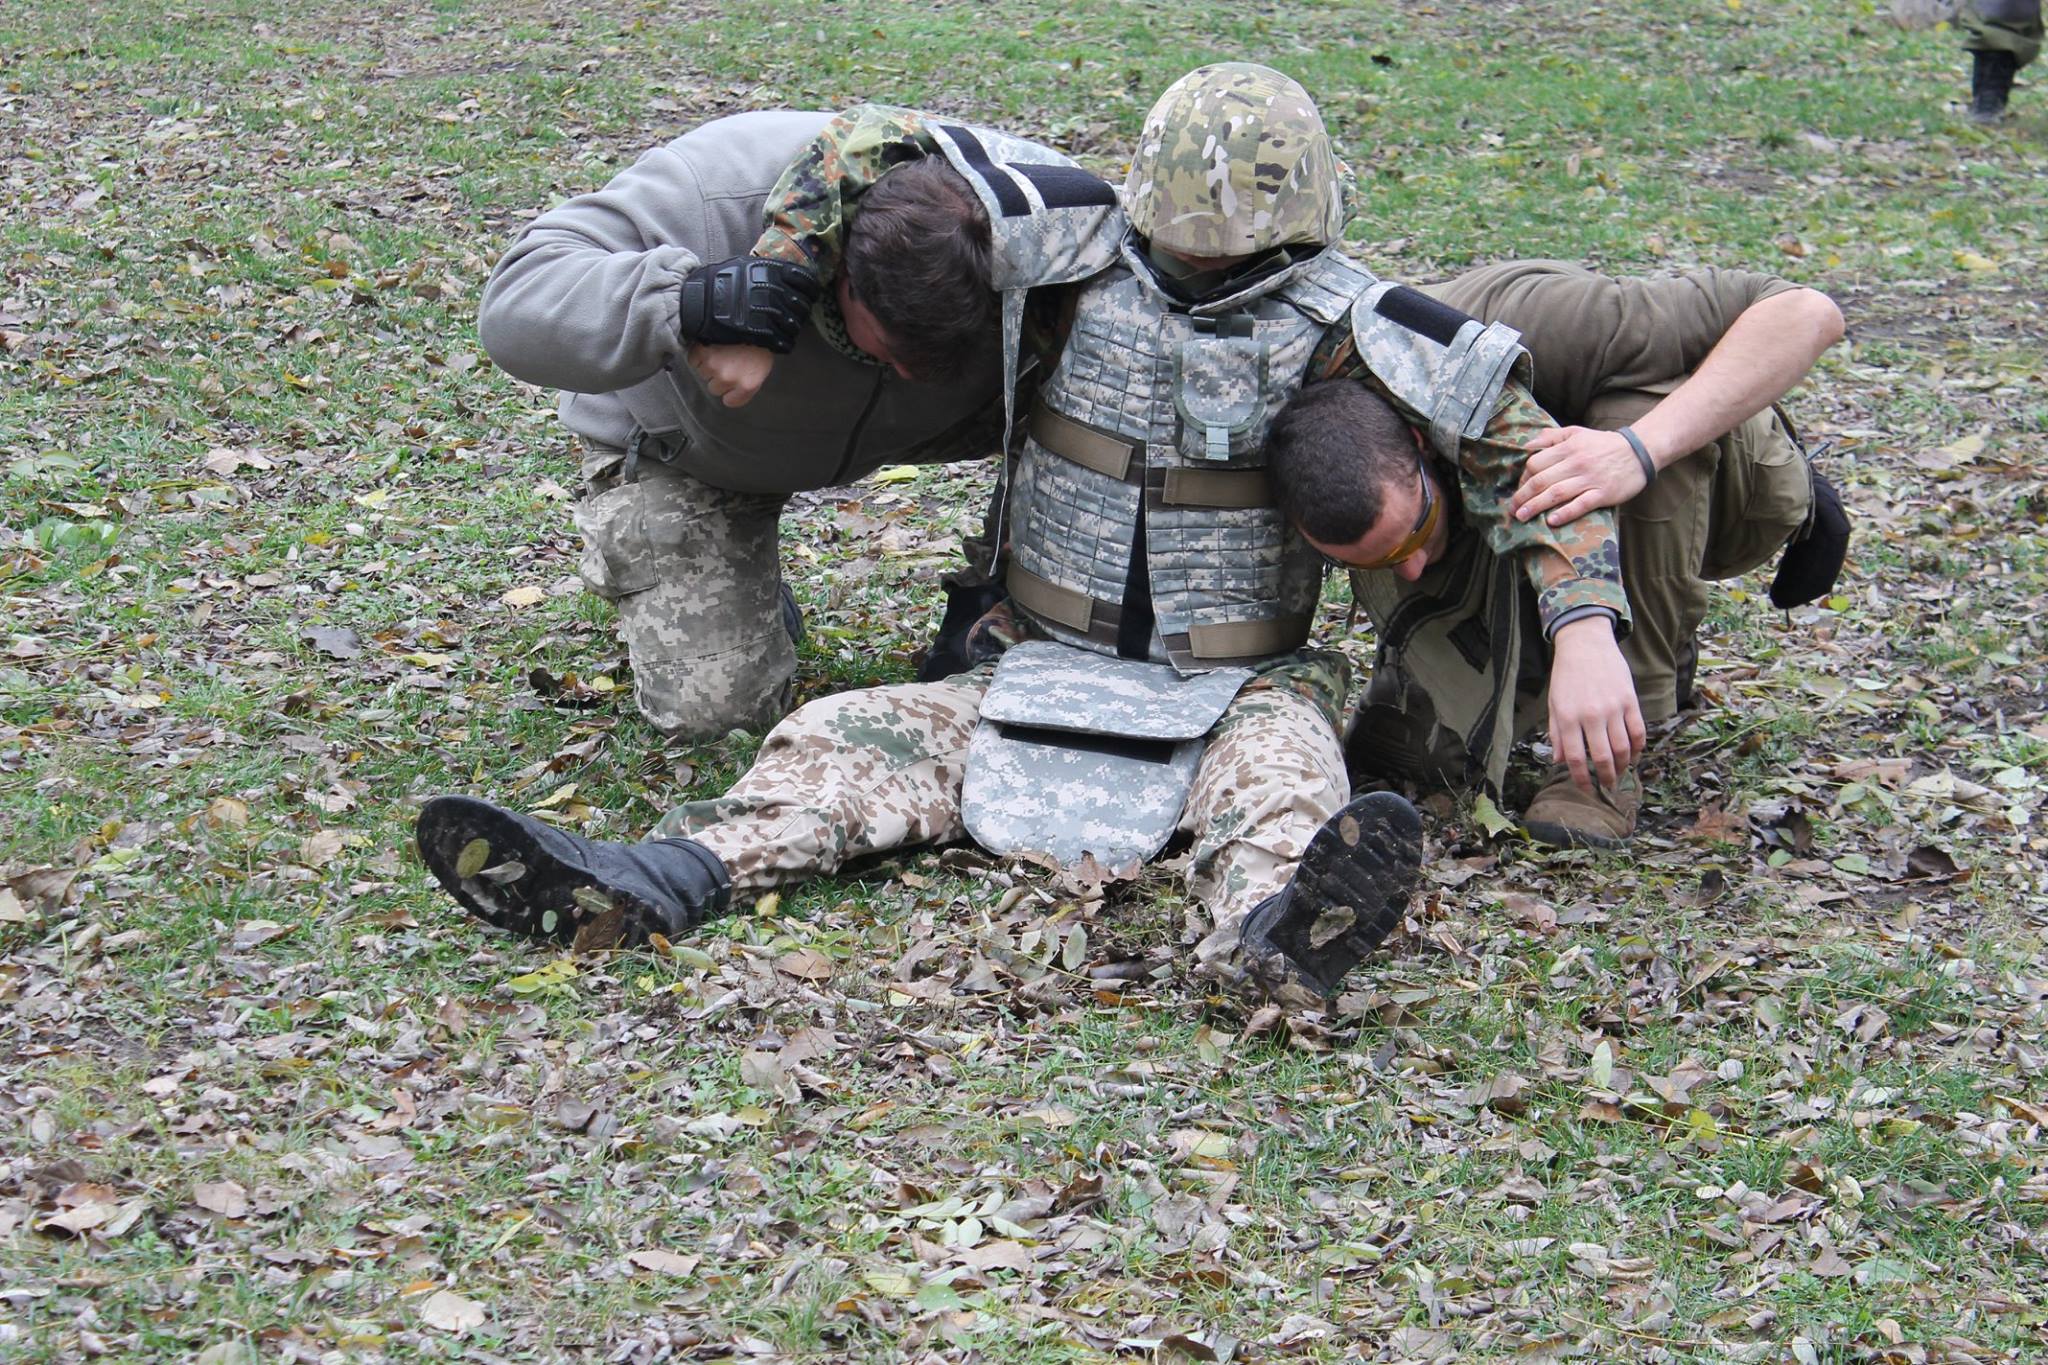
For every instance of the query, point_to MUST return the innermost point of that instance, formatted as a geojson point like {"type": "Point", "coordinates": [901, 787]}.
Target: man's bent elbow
{"type": "Point", "coordinates": [525, 335]}
{"type": "Point", "coordinates": [1823, 318]}
{"type": "Point", "coordinates": [508, 333]}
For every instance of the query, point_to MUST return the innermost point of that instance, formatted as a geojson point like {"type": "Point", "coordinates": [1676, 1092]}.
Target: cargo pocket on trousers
{"type": "Point", "coordinates": [1764, 497]}
{"type": "Point", "coordinates": [618, 558]}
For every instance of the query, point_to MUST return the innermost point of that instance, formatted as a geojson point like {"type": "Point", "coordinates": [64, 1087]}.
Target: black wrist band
{"type": "Point", "coordinates": [1649, 465]}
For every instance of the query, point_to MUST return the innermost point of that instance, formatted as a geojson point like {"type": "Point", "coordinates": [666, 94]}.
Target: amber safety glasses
{"type": "Point", "coordinates": [1425, 524]}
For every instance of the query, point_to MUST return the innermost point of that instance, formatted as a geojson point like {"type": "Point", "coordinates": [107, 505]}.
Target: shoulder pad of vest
{"type": "Point", "coordinates": [1050, 221]}
{"type": "Point", "coordinates": [1325, 286]}
{"type": "Point", "coordinates": [1446, 367]}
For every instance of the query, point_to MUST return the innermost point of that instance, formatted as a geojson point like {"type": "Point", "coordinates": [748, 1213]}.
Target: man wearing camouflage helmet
{"type": "Point", "coordinates": [1163, 682]}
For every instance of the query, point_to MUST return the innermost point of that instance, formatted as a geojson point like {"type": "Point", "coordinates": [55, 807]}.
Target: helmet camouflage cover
{"type": "Point", "coordinates": [1234, 160]}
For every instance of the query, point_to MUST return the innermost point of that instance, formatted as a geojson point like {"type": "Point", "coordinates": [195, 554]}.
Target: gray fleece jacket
{"type": "Point", "coordinates": [585, 302]}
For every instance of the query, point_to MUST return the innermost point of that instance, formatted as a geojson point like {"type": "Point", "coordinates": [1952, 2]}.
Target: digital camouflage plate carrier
{"type": "Point", "coordinates": [1077, 754]}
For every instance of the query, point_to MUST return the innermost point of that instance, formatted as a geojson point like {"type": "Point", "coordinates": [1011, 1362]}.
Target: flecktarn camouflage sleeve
{"type": "Point", "coordinates": [1571, 566]}
{"type": "Point", "coordinates": [809, 207]}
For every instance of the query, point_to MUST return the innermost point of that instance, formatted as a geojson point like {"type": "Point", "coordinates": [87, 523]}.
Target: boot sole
{"type": "Point", "coordinates": [1562, 836]}
{"type": "Point", "coordinates": [1350, 890]}
{"type": "Point", "coordinates": [539, 900]}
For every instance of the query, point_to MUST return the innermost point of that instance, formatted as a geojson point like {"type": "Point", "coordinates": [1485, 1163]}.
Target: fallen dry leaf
{"type": "Point", "coordinates": [806, 964]}
{"type": "Point", "coordinates": [451, 1312]}
{"type": "Point", "coordinates": [225, 460]}
{"type": "Point", "coordinates": [319, 849]}
{"type": "Point", "coordinates": [665, 1262]}
{"type": "Point", "coordinates": [226, 1198]}
{"type": "Point", "coordinates": [336, 642]}
{"type": "Point", "coordinates": [81, 1219]}
{"type": "Point", "coordinates": [251, 932]}
{"type": "Point", "coordinates": [225, 812]}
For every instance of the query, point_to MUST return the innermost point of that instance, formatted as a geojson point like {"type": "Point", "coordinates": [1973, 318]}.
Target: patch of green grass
{"type": "Point", "coordinates": [388, 1085]}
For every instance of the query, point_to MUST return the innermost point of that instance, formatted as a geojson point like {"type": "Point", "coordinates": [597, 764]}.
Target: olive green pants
{"type": "Point", "coordinates": [1718, 513]}
{"type": "Point", "coordinates": [2002, 26]}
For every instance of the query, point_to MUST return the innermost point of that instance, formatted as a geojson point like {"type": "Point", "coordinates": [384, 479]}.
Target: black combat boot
{"type": "Point", "coordinates": [525, 875]}
{"type": "Point", "coordinates": [1349, 892]}
{"type": "Point", "coordinates": [1688, 671]}
{"type": "Point", "coordinates": [1813, 559]}
{"type": "Point", "coordinates": [792, 614]}
{"type": "Point", "coordinates": [1991, 75]}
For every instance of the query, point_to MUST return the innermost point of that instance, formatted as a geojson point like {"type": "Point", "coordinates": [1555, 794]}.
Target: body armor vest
{"type": "Point", "coordinates": [1151, 432]}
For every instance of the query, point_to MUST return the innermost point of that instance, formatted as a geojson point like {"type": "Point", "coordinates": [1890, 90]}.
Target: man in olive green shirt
{"type": "Point", "coordinates": [1691, 363]}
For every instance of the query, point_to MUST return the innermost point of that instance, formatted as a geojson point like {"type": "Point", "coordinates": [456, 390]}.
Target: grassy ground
{"type": "Point", "coordinates": [282, 554]}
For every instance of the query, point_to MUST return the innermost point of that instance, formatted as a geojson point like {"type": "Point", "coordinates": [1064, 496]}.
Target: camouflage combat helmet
{"type": "Point", "coordinates": [1233, 161]}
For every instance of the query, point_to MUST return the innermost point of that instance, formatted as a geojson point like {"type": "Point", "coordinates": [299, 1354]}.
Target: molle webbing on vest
{"type": "Point", "coordinates": [1115, 457]}
{"type": "Point", "coordinates": [1241, 641]}
{"type": "Point", "coordinates": [1146, 470]}
{"type": "Point", "coordinates": [1077, 441]}
{"type": "Point", "coordinates": [1100, 622]}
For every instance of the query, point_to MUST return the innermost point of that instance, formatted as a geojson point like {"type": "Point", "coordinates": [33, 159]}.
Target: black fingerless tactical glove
{"type": "Point", "coordinates": [746, 301]}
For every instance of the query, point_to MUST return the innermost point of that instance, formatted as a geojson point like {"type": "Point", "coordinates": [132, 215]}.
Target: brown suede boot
{"type": "Point", "coordinates": [1564, 815]}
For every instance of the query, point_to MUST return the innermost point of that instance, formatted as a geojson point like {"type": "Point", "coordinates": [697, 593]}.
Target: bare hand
{"type": "Point", "coordinates": [1573, 471]}
{"type": "Point", "coordinates": [1596, 723]}
{"type": "Point", "coordinates": [734, 374]}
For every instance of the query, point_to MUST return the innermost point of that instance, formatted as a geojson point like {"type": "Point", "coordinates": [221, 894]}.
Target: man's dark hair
{"type": "Point", "coordinates": [1332, 453]}
{"type": "Point", "coordinates": [917, 256]}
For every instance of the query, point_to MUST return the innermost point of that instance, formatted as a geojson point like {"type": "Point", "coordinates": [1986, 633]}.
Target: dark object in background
{"type": "Point", "coordinates": [1813, 562]}
{"type": "Point", "coordinates": [951, 650]}
{"type": "Point", "coordinates": [1991, 84]}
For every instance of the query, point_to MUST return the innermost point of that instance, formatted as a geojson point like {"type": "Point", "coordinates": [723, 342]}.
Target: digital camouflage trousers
{"type": "Point", "coordinates": [695, 575]}
{"type": "Point", "coordinates": [865, 772]}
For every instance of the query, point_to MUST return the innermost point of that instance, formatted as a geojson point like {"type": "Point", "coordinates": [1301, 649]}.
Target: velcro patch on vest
{"type": "Point", "coordinates": [1215, 488]}
{"type": "Point", "coordinates": [1050, 221]}
{"type": "Point", "coordinates": [1249, 641]}
{"type": "Point", "coordinates": [1418, 312]}
{"type": "Point", "coordinates": [1101, 451]}
{"type": "Point", "coordinates": [1050, 602]}
{"type": "Point", "coordinates": [1068, 187]}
